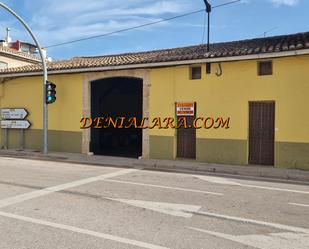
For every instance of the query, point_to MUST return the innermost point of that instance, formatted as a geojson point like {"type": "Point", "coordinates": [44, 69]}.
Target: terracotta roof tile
{"type": "Point", "coordinates": [235, 48]}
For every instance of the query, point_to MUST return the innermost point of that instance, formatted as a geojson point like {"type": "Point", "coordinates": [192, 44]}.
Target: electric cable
{"type": "Point", "coordinates": [204, 27]}
{"type": "Point", "coordinates": [138, 26]}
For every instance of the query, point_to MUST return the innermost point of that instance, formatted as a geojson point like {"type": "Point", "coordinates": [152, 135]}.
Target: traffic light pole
{"type": "Point", "coordinates": [45, 77]}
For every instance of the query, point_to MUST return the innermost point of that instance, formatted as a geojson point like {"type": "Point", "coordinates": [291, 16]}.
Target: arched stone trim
{"type": "Point", "coordinates": [136, 73]}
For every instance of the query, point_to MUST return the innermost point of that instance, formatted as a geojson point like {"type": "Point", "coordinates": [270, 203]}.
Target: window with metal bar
{"type": "Point", "coordinates": [265, 68]}
{"type": "Point", "coordinates": [195, 73]}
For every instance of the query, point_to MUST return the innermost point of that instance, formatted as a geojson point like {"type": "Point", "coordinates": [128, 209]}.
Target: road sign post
{"type": "Point", "coordinates": [22, 139]}
{"type": "Point", "coordinates": [5, 142]}
{"type": "Point", "coordinates": [14, 118]}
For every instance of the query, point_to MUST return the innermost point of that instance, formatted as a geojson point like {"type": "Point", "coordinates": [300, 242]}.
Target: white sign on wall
{"type": "Point", "coordinates": [15, 113]}
{"type": "Point", "coordinates": [185, 109]}
{"type": "Point", "coordinates": [15, 124]}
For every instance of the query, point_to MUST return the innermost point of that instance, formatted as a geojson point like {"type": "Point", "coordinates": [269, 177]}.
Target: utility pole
{"type": "Point", "coordinates": [45, 77]}
{"type": "Point", "coordinates": [208, 10]}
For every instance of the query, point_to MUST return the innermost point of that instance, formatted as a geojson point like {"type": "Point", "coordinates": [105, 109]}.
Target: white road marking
{"type": "Point", "coordinates": [276, 189]}
{"type": "Point", "coordinates": [215, 179]}
{"type": "Point", "coordinates": [38, 193]}
{"type": "Point", "coordinates": [6, 158]}
{"type": "Point", "coordinates": [298, 204]}
{"type": "Point", "coordinates": [83, 231]}
{"type": "Point", "coordinates": [219, 180]}
{"type": "Point", "coordinates": [286, 240]}
{"type": "Point", "coordinates": [166, 187]}
{"type": "Point", "coordinates": [256, 222]}
{"type": "Point", "coordinates": [180, 210]}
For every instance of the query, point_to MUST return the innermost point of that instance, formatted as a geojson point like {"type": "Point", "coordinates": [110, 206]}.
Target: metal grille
{"type": "Point", "coordinates": [265, 68]}
{"type": "Point", "coordinates": [196, 73]}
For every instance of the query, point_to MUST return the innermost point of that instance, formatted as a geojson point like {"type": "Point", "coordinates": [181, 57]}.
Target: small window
{"type": "Point", "coordinates": [195, 73]}
{"type": "Point", "coordinates": [265, 68]}
{"type": "Point", "coordinates": [3, 65]}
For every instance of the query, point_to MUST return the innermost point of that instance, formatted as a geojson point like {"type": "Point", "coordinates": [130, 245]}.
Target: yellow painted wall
{"type": "Point", "coordinates": [224, 96]}
{"type": "Point", "coordinates": [228, 96]}
{"type": "Point", "coordinates": [27, 92]}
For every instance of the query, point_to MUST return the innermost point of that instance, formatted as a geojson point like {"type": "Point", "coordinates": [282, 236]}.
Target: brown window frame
{"type": "Point", "coordinates": [191, 68]}
{"type": "Point", "coordinates": [266, 73]}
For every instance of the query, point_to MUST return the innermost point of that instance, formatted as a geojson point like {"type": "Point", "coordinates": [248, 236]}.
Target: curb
{"type": "Point", "coordinates": [254, 172]}
{"type": "Point", "coordinates": [217, 170]}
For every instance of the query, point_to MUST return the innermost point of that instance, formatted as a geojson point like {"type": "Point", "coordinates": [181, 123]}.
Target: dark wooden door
{"type": "Point", "coordinates": [186, 140]}
{"type": "Point", "coordinates": [261, 132]}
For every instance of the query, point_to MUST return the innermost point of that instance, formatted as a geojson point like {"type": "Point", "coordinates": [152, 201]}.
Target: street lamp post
{"type": "Point", "coordinates": [208, 11]}
{"type": "Point", "coordinates": [45, 108]}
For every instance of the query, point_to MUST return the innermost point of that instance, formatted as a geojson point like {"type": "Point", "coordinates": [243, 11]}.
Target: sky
{"type": "Point", "coordinates": [56, 21]}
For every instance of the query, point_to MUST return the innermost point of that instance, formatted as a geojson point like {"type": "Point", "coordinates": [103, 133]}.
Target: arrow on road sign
{"type": "Point", "coordinates": [15, 124]}
{"type": "Point", "coordinates": [180, 210]}
{"type": "Point", "coordinates": [15, 113]}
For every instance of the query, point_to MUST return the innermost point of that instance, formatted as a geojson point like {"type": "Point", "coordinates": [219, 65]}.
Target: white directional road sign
{"type": "Point", "coordinates": [15, 113]}
{"type": "Point", "coordinates": [15, 124]}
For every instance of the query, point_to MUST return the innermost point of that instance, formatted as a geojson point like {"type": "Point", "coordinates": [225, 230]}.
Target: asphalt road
{"type": "Point", "coordinates": [59, 205]}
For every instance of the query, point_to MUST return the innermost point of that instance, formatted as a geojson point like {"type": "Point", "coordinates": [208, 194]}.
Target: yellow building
{"type": "Point", "coordinates": [249, 99]}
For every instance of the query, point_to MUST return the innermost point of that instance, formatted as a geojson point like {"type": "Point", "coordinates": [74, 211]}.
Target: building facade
{"type": "Point", "coordinates": [17, 54]}
{"type": "Point", "coordinates": [249, 100]}
{"type": "Point", "coordinates": [10, 58]}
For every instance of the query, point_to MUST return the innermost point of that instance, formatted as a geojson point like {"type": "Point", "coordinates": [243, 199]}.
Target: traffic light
{"type": "Point", "coordinates": [50, 92]}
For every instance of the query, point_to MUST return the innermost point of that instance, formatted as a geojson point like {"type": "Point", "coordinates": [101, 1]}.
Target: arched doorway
{"type": "Point", "coordinates": [117, 97]}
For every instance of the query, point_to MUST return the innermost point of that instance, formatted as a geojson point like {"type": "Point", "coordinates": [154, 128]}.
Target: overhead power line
{"type": "Point", "coordinates": [138, 26]}
{"type": "Point", "coordinates": [267, 31]}
{"type": "Point", "coordinates": [204, 26]}
{"type": "Point", "coordinates": [224, 4]}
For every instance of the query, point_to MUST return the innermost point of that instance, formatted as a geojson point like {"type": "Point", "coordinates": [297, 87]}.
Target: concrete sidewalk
{"type": "Point", "coordinates": [261, 172]}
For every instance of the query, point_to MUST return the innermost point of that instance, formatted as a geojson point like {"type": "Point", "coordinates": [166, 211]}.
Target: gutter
{"type": "Point", "coordinates": [166, 64]}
